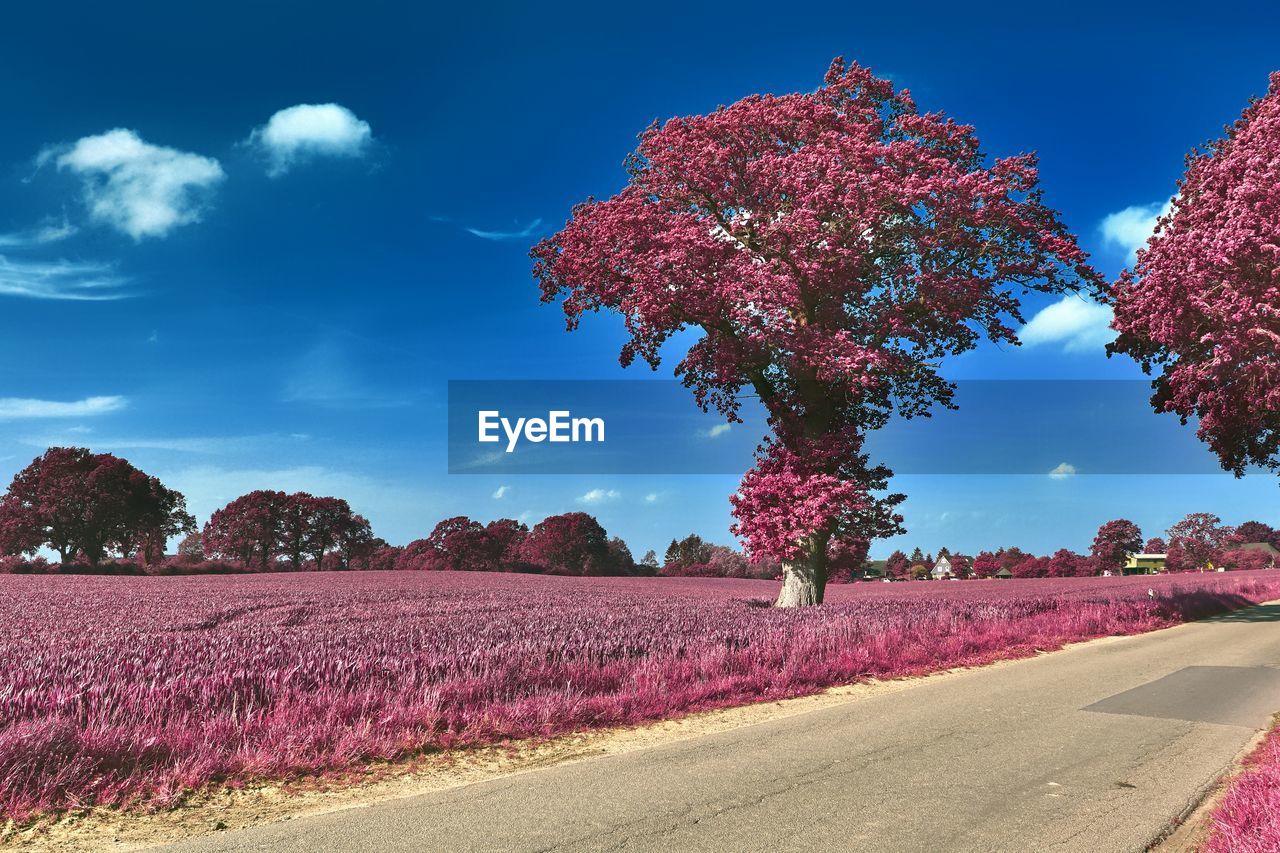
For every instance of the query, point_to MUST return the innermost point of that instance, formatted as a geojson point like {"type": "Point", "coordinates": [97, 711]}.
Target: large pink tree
{"type": "Point", "coordinates": [85, 505]}
{"type": "Point", "coordinates": [1115, 542]}
{"type": "Point", "coordinates": [1201, 307]}
{"type": "Point", "coordinates": [831, 247]}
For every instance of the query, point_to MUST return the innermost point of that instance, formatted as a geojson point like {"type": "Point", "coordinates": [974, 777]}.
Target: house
{"type": "Point", "coordinates": [1265, 548]}
{"type": "Point", "coordinates": [1145, 564]}
{"type": "Point", "coordinates": [1003, 573]}
{"type": "Point", "coordinates": [953, 566]}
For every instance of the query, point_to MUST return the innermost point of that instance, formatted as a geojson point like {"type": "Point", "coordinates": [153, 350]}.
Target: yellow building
{"type": "Point", "coordinates": [1145, 564]}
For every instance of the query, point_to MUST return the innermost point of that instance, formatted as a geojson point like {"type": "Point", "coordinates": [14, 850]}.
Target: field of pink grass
{"type": "Point", "coordinates": [133, 691]}
{"type": "Point", "coordinates": [1247, 820]}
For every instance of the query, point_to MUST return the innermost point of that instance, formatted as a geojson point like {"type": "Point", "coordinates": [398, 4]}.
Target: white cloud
{"type": "Point", "coordinates": [651, 498]}
{"type": "Point", "coordinates": [1079, 325]}
{"type": "Point", "coordinates": [1063, 471]}
{"type": "Point", "coordinates": [523, 233]}
{"type": "Point", "coordinates": [501, 492]}
{"type": "Point", "coordinates": [48, 233]}
{"type": "Point", "coordinates": [22, 408]}
{"type": "Point", "coordinates": [1129, 228]}
{"type": "Point", "coordinates": [305, 131]}
{"type": "Point", "coordinates": [716, 431]}
{"type": "Point", "coordinates": [596, 496]}
{"type": "Point", "coordinates": [140, 189]}
{"type": "Point", "coordinates": [66, 280]}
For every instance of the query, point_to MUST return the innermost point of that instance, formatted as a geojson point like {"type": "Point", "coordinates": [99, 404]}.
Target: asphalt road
{"type": "Point", "coordinates": [1095, 748]}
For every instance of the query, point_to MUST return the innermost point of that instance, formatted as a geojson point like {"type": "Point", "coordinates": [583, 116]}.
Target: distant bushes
{"type": "Point", "coordinates": [26, 566]}
{"type": "Point", "coordinates": [573, 543]}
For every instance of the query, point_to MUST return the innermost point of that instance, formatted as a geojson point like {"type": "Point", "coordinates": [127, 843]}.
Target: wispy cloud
{"type": "Point", "coordinates": [1078, 325]}
{"type": "Point", "coordinates": [715, 431]}
{"type": "Point", "coordinates": [651, 498]}
{"type": "Point", "coordinates": [501, 492]}
{"type": "Point", "coordinates": [304, 132]}
{"type": "Point", "coordinates": [1129, 229]}
{"type": "Point", "coordinates": [25, 408]}
{"type": "Point", "coordinates": [40, 236]}
{"type": "Point", "coordinates": [323, 375]}
{"type": "Point", "coordinates": [596, 496]}
{"type": "Point", "coordinates": [1063, 471]}
{"type": "Point", "coordinates": [523, 233]}
{"type": "Point", "coordinates": [140, 189]}
{"type": "Point", "coordinates": [77, 281]}
{"type": "Point", "coordinates": [209, 445]}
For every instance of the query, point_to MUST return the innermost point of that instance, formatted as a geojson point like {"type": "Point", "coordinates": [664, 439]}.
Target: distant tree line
{"type": "Point", "coordinates": [101, 514]}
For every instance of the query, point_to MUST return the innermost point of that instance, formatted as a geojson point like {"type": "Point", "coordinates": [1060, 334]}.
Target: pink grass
{"type": "Point", "coordinates": [135, 691]}
{"type": "Point", "coordinates": [1247, 820]}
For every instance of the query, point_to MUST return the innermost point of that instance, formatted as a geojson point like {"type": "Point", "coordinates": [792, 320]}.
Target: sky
{"type": "Point", "coordinates": [249, 245]}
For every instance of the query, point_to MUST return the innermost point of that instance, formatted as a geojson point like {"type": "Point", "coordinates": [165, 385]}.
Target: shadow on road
{"type": "Point", "coordinates": [1260, 613]}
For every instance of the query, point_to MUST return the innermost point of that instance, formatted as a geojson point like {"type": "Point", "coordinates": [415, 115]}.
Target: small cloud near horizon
{"type": "Point", "coordinates": [1063, 471]}
{"type": "Point", "coordinates": [1077, 324]}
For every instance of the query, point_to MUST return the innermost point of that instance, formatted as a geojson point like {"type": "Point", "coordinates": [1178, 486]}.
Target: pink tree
{"type": "Point", "coordinates": [897, 566]}
{"type": "Point", "coordinates": [249, 528]}
{"type": "Point", "coordinates": [1195, 540]}
{"type": "Point", "coordinates": [1065, 563]}
{"type": "Point", "coordinates": [570, 544]}
{"type": "Point", "coordinates": [831, 248]}
{"type": "Point", "coordinates": [1115, 541]}
{"type": "Point", "coordinates": [81, 503]}
{"type": "Point", "coordinates": [985, 564]}
{"type": "Point", "coordinates": [1200, 307]}
{"type": "Point", "coordinates": [1255, 531]}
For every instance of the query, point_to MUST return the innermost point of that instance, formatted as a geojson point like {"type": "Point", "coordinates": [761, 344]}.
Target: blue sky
{"type": "Point", "coordinates": [238, 291]}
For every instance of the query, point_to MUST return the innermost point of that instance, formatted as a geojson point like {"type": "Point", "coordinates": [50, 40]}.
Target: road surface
{"type": "Point", "coordinates": [1095, 748]}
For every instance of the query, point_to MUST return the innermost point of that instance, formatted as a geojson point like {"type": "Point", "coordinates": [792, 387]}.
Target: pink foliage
{"type": "Point", "coordinates": [1200, 305]}
{"type": "Point", "coordinates": [1247, 820]}
{"type": "Point", "coordinates": [134, 690]}
{"type": "Point", "coordinates": [1244, 559]}
{"type": "Point", "coordinates": [1115, 541]}
{"type": "Point", "coordinates": [1195, 540]}
{"type": "Point", "coordinates": [86, 505]}
{"type": "Point", "coordinates": [831, 247]}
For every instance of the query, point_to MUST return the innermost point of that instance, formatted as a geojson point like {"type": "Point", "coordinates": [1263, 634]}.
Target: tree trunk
{"type": "Point", "coordinates": [804, 580]}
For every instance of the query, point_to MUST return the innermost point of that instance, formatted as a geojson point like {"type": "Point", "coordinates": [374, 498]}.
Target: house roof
{"type": "Point", "coordinates": [1004, 573]}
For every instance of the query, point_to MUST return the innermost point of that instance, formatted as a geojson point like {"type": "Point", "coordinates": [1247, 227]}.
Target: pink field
{"type": "Point", "coordinates": [134, 691]}
{"type": "Point", "coordinates": [1248, 818]}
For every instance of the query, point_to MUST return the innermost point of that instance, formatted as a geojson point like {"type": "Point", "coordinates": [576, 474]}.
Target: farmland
{"type": "Point", "coordinates": [136, 690]}
{"type": "Point", "coordinates": [1247, 819]}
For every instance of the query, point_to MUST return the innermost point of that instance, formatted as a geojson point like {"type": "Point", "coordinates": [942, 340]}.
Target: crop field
{"type": "Point", "coordinates": [133, 691]}
{"type": "Point", "coordinates": [1247, 819]}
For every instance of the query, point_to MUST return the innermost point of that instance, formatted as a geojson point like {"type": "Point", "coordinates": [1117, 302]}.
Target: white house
{"type": "Point", "coordinates": [941, 569]}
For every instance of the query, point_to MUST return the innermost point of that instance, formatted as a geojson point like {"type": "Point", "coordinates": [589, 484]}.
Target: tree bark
{"type": "Point", "coordinates": [804, 580]}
